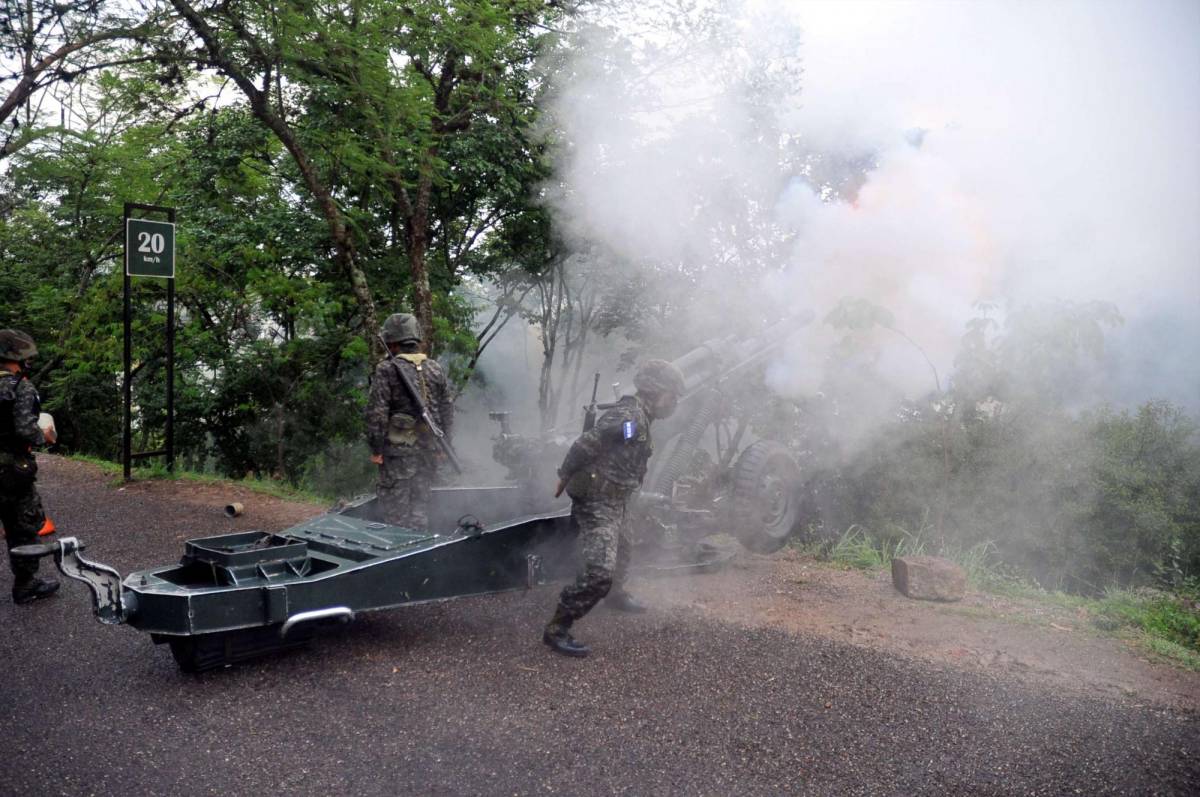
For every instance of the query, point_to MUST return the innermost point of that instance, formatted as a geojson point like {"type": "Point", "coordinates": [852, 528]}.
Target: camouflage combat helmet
{"type": "Point", "coordinates": [400, 328]}
{"type": "Point", "coordinates": [15, 345]}
{"type": "Point", "coordinates": [659, 376]}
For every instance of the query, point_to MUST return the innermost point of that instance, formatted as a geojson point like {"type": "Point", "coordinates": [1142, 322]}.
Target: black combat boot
{"type": "Point", "coordinates": [622, 601]}
{"type": "Point", "coordinates": [34, 589]}
{"type": "Point", "coordinates": [559, 639]}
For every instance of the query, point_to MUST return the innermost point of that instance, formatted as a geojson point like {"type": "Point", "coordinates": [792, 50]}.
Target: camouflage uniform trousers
{"type": "Point", "coordinates": [405, 486]}
{"type": "Point", "coordinates": [605, 547]}
{"type": "Point", "coordinates": [22, 516]}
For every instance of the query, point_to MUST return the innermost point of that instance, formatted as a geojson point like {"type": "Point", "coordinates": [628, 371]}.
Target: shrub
{"type": "Point", "coordinates": [342, 470]}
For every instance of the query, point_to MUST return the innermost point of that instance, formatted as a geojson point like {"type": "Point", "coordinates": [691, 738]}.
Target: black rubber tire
{"type": "Point", "coordinates": [201, 652]}
{"type": "Point", "coordinates": [766, 496]}
{"type": "Point", "coordinates": [186, 654]}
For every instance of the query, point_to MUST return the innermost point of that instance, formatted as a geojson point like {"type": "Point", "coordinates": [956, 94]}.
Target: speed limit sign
{"type": "Point", "coordinates": [149, 248]}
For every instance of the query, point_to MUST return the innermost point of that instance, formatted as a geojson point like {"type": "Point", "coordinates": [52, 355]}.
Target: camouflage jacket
{"type": "Point", "coordinates": [19, 408]}
{"type": "Point", "coordinates": [394, 423]}
{"type": "Point", "coordinates": [614, 452]}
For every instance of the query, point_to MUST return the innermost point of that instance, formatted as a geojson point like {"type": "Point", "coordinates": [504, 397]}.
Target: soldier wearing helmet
{"type": "Point", "coordinates": [20, 505]}
{"type": "Point", "coordinates": [603, 468]}
{"type": "Point", "coordinates": [401, 443]}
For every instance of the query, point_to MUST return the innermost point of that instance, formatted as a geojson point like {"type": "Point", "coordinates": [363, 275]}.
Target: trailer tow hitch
{"type": "Point", "coordinates": [108, 601]}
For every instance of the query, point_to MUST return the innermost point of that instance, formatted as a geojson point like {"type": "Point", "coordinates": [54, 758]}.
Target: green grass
{"type": "Point", "coordinates": [158, 471]}
{"type": "Point", "coordinates": [1164, 625]}
{"type": "Point", "coordinates": [1167, 625]}
{"type": "Point", "coordinates": [857, 549]}
{"type": "Point", "coordinates": [1174, 653]}
{"type": "Point", "coordinates": [978, 561]}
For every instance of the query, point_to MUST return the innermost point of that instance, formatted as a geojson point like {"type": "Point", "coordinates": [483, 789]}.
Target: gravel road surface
{"type": "Point", "coordinates": [462, 698]}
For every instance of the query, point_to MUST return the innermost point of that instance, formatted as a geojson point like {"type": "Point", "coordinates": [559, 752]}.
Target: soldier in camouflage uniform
{"type": "Point", "coordinates": [603, 468]}
{"type": "Point", "coordinates": [402, 444]}
{"type": "Point", "coordinates": [20, 505]}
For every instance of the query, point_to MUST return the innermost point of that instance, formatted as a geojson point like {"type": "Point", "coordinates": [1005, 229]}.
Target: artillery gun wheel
{"type": "Point", "coordinates": [766, 496]}
{"type": "Point", "coordinates": [201, 652]}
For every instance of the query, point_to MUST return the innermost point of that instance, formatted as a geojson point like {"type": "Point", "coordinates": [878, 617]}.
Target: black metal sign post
{"type": "Point", "coordinates": [149, 252]}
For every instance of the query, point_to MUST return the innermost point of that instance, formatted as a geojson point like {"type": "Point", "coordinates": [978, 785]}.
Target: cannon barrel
{"type": "Point", "coordinates": [704, 370]}
{"type": "Point", "coordinates": [716, 360]}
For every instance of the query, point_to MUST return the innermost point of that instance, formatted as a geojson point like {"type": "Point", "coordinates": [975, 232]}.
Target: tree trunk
{"type": "Point", "coordinates": [280, 428]}
{"type": "Point", "coordinates": [418, 245]}
{"type": "Point", "coordinates": [260, 106]}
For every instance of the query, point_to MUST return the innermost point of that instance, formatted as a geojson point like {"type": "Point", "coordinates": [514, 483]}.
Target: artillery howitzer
{"type": "Point", "coordinates": [237, 596]}
{"type": "Point", "coordinates": [704, 478]}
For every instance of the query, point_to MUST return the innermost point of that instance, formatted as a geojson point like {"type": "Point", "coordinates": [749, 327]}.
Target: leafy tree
{"type": "Point", "coordinates": [46, 45]}
{"type": "Point", "coordinates": [367, 98]}
{"type": "Point", "coordinates": [60, 246]}
{"type": "Point", "coordinates": [1145, 519]}
{"type": "Point", "coordinates": [271, 363]}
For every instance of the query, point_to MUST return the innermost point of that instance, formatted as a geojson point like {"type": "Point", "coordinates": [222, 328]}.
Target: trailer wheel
{"type": "Point", "coordinates": [766, 496]}
{"type": "Point", "coordinates": [185, 654]}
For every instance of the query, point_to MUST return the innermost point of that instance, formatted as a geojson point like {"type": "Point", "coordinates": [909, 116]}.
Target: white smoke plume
{"type": "Point", "coordinates": [1019, 151]}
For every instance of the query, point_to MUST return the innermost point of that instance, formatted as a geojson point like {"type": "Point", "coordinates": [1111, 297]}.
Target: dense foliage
{"type": "Point", "coordinates": [329, 164]}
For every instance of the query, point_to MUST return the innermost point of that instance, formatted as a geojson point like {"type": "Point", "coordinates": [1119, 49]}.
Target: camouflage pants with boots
{"type": "Point", "coordinates": [405, 487]}
{"type": "Point", "coordinates": [22, 516]}
{"type": "Point", "coordinates": [605, 547]}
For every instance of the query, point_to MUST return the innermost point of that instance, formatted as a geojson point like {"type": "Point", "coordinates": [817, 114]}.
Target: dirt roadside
{"type": "Point", "coordinates": [984, 633]}
{"type": "Point", "coordinates": [797, 594]}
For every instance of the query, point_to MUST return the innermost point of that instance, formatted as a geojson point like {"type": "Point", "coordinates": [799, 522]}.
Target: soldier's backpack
{"type": "Point", "coordinates": [17, 468]}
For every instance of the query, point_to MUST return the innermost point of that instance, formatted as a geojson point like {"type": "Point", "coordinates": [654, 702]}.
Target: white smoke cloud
{"type": "Point", "coordinates": [1059, 160]}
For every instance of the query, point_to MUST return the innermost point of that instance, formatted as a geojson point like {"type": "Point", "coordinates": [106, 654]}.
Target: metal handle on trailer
{"type": "Point", "coordinates": [343, 613]}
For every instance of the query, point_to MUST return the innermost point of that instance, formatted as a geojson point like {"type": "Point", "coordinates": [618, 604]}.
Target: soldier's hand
{"type": "Point", "coordinates": [45, 422]}
{"type": "Point", "coordinates": [377, 459]}
{"type": "Point", "coordinates": [562, 485]}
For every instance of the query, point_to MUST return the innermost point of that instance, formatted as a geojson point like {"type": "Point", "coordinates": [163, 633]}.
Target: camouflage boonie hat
{"type": "Point", "coordinates": [15, 345]}
{"type": "Point", "coordinates": [659, 376]}
{"type": "Point", "coordinates": [401, 327]}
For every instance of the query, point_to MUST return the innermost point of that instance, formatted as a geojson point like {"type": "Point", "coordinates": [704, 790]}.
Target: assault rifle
{"type": "Point", "coordinates": [426, 416]}
{"type": "Point", "coordinates": [589, 412]}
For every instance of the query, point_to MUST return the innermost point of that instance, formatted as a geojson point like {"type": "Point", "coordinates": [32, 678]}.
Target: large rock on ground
{"type": "Point", "coordinates": [929, 578]}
